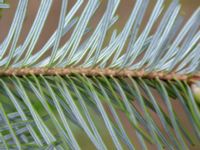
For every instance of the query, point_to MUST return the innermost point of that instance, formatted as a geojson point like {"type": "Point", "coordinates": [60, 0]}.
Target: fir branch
{"type": "Point", "coordinates": [189, 78]}
{"type": "Point", "coordinates": [69, 83]}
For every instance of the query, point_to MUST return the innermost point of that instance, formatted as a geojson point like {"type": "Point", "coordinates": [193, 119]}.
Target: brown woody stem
{"type": "Point", "coordinates": [191, 78]}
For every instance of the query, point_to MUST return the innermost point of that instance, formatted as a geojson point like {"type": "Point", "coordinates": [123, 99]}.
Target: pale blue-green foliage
{"type": "Point", "coordinates": [169, 48]}
{"type": "Point", "coordinates": [3, 5]}
{"type": "Point", "coordinates": [50, 112]}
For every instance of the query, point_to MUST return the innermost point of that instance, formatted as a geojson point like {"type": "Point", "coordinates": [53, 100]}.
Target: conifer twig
{"type": "Point", "coordinates": [190, 78]}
